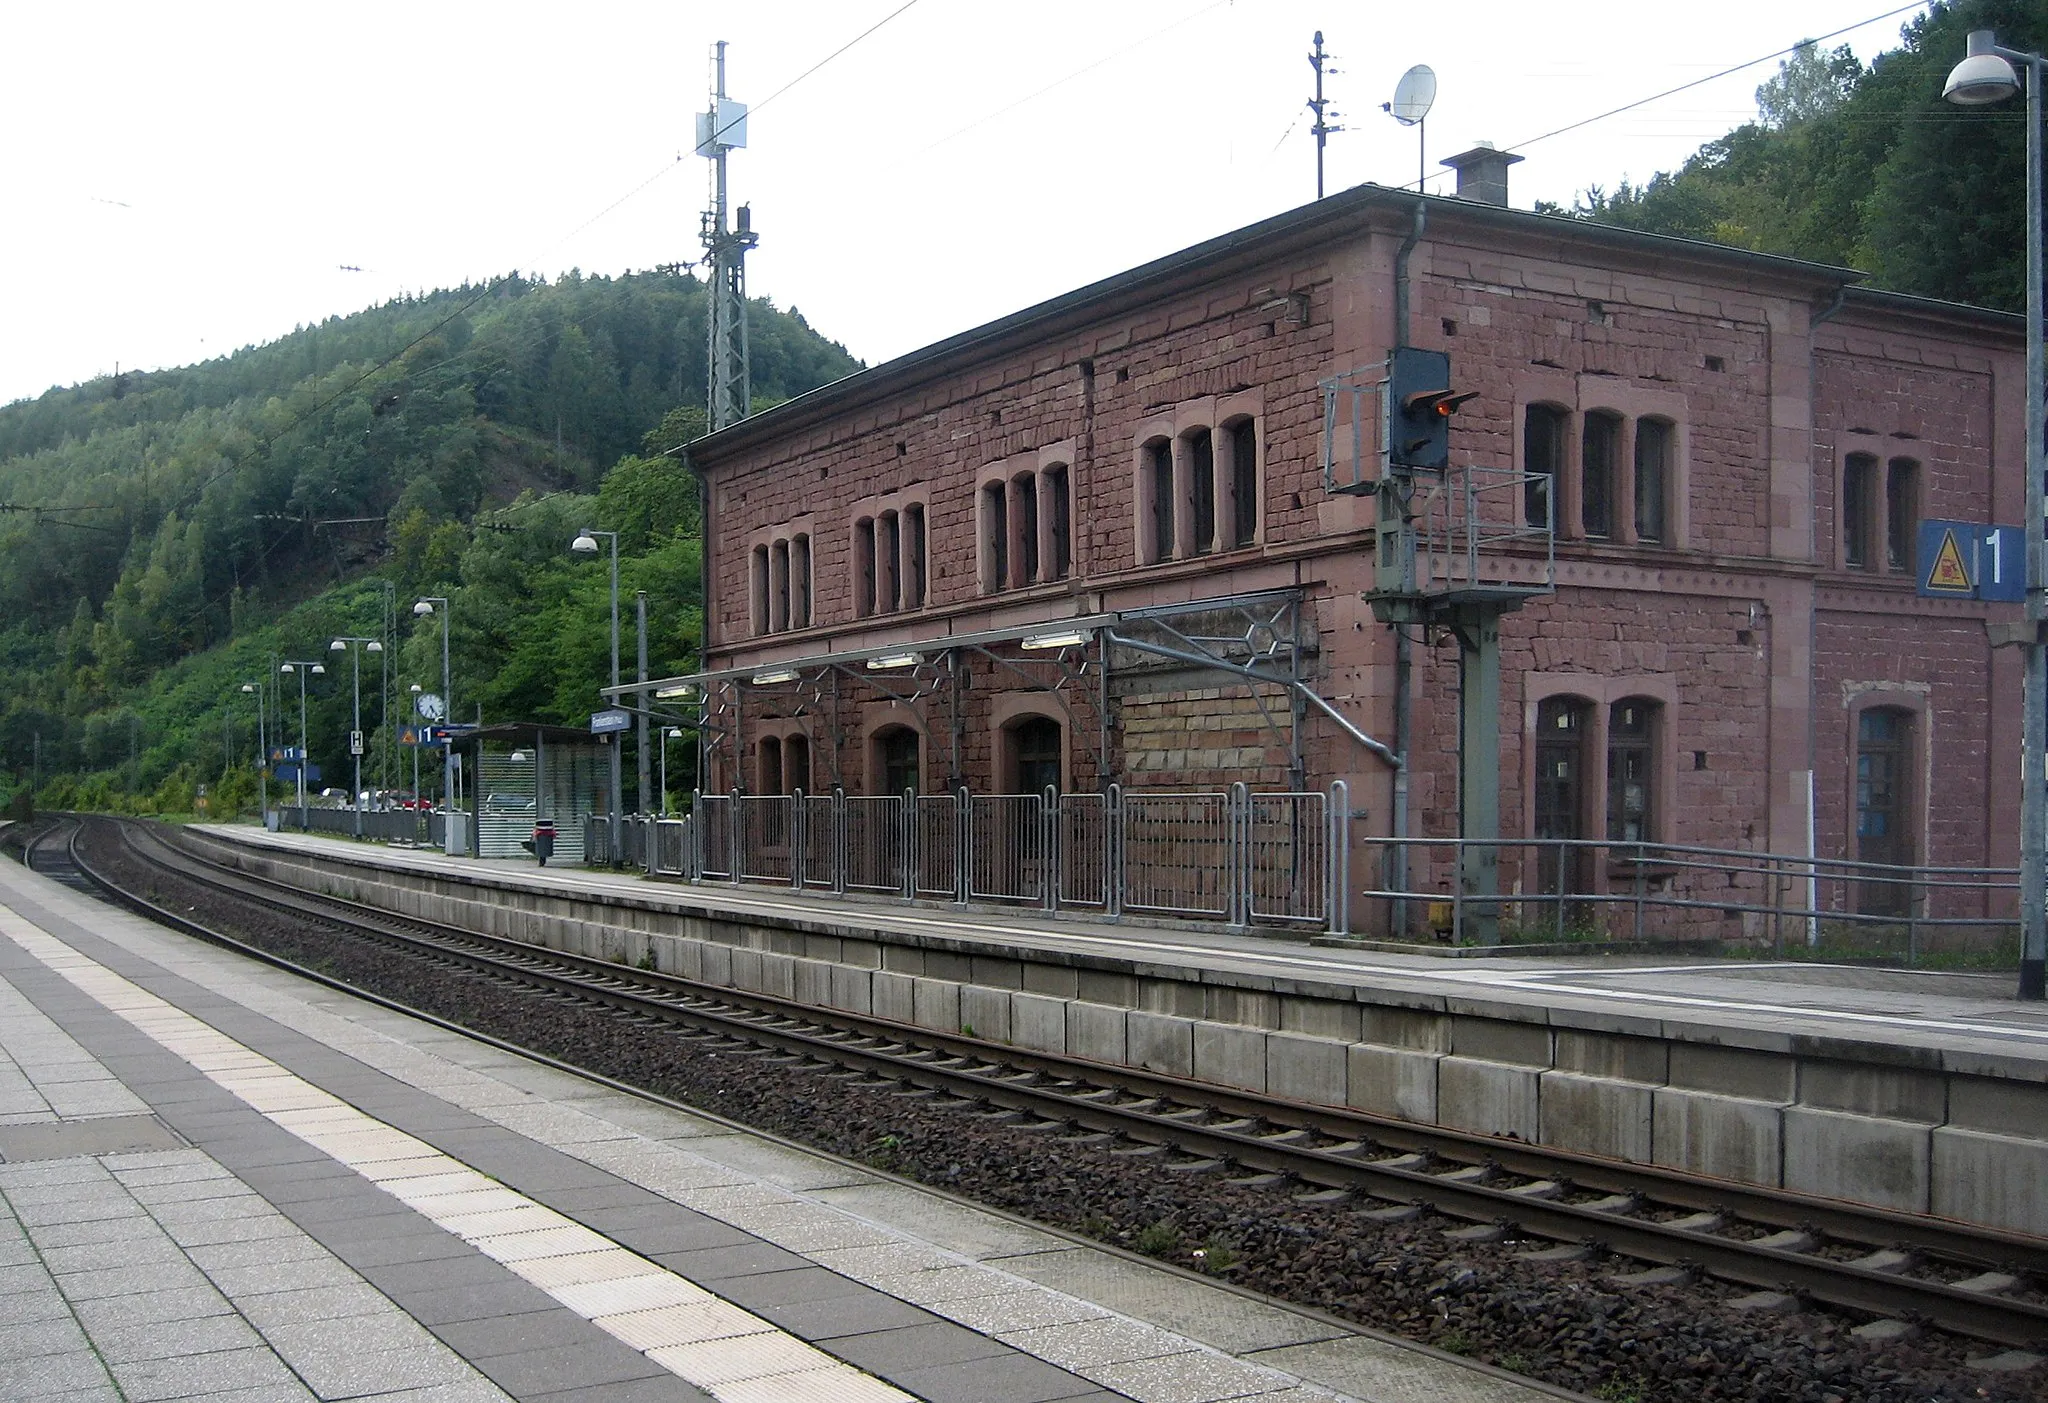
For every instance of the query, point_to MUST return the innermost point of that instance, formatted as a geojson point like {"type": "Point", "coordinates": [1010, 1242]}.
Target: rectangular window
{"type": "Point", "coordinates": [1859, 509]}
{"type": "Point", "coordinates": [1244, 482]}
{"type": "Point", "coordinates": [1026, 517]}
{"type": "Point", "coordinates": [864, 566]}
{"type": "Point", "coordinates": [1601, 447]}
{"type": "Point", "coordinates": [1159, 472]}
{"type": "Point", "coordinates": [1653, 475]}
{"type": "Point", "coordinates": [996, 535]}
{"type": "Point", "coordinates": [1901, 512]}
{"type": "Point", "coordinates": [1542, 455]}
{"type": "Point", "coordinates": [913, 575]}
{"type": "Point", "coordinates": [1202, 470]}
{"type": "Point", "coordinates": [1059, 522]}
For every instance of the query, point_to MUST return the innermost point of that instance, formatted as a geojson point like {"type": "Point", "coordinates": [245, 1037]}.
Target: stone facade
{"type": "Point", "coordinates": [1740, 591]}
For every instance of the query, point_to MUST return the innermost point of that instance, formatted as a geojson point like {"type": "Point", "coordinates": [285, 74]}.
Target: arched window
{"type": "Point", "coordinates": [800, 582]}
{"type": "Point", "coordinates": [1159, 493]}
{"type": "Point", "coordinates": [796, 763]}
{"type": "Point", "coordinates": [913, 575]}
{"type": "Point", "coordinates": [769, 771]}
{"type": "Point", "coordinates": [1202, 484]}
{"type": "Point", "coordinates": [1600, 451]}
{"type": "Point", "coordinates": [864, 566]}
{"type": "Point", "coordinates": [995, 538]}
{"type": "Point", "coordinates": [1859, 510]}
{"type": "Point", "coordinates": [895, 760]}
{"type": "Point", "coordinates": [1901, 512]}
{"type": "Point", "coordinates": [1032, 746]}
{"type": "Point", "coordinates": [757, 591]}
{"type": "Point", "coordinates": [1024, 523]}
{"type": "Point", "coordinates": [1653, 479]}
{"type": "Point", "coordinates": [1059, 511]}
{"type": "Point", "coordinates": [1244, 482]}
{"type": "Point", "coordinates": [1543, 459]}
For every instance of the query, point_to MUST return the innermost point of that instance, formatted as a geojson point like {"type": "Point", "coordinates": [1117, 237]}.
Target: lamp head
{"type": "Point", "coordinates": [337, 646]}
{"type": "Point", "coordinates": [288, 667]}
{"type": "Point", "coordinates": [675, 733]}
{"type": "Point", "coordinates": [416, 689]}
{"type": "Point", "coordinates": [584, 544]}
{"type": "Point", "coordinates": [1983, 76]}
{"type": "Point", "coordinates": [248, 686]}
{"type": "Point", "coordinates": [373, 646]}
{"type": "Point", "coordinates": [422, 609]}
{"type": "Point", "coordinates": [319, 669]}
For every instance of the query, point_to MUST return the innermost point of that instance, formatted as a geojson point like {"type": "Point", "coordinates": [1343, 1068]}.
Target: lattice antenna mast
{"type": "Point", "coordinates": [729, 393]}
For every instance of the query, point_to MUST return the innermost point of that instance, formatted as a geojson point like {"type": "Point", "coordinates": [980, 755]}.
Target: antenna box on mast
{"type": "Point", "coordinates": [723, 128]}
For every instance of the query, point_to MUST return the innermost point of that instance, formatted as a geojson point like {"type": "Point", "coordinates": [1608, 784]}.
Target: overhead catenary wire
{"type": "Point", "coordinates": [1733, 69]}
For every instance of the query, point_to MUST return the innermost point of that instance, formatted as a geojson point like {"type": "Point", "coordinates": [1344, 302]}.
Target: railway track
{"type": "Point", "coordinates": [1790, 1248]}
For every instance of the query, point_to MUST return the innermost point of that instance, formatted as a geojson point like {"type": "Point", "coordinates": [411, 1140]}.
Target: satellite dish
{"type": "Point", "coordinates": [1413, 95]}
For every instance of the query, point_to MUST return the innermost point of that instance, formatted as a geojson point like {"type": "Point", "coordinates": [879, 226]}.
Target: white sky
{"type": "Point", "coordinates": [184, 179]}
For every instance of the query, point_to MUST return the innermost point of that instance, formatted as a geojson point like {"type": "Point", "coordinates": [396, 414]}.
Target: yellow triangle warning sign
{"type": "Point", "coordinates": [1949, 572]}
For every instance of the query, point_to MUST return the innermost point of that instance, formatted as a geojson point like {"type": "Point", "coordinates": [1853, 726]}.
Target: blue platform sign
{"type": "Point", "coordinates": [1969, 560]}
{"type": "Point", "coordinates": [289, 773]}
{"type": "Point", "coordinates": [604, 723]}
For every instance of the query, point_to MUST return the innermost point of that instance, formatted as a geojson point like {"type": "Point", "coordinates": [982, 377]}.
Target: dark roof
{"type": "Point", "coordinates": [1304, 225]}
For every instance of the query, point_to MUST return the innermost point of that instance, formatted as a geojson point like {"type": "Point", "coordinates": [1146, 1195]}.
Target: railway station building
{"type": "Point", "coordinates": [1128, 537]}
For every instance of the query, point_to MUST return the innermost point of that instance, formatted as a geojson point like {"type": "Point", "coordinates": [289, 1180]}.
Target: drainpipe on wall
{"type": "Point", "coordinates": [1404, 665]}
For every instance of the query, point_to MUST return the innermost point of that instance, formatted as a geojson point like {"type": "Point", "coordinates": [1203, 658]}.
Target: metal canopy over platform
{"type": "Point", "coordinates": [1259, 639]}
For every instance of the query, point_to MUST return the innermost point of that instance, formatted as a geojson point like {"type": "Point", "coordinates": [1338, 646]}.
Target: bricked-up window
{"type": "Point", "coordinates": [1653, 479]}
{"type": "Point", "coordinates": [995, 537]}
{"type": "Point", "coordinates": [1159, 481]}
{"type": "Point", "coordinates": [1631, 770]}
{"type": "Point", "coordinates": [1901, 512]}
{"type": "Point", "coordinates": [1244, 482]}
{"type": "Point", "coordinates": [1884, 832]}
{"type": "Point", "coordinates": [913, 573]}
{"type": "Point", "coordinates": [800, 581]}
{"type": "Point", "coordinates": [1543, 427]}
{"type": "Point", "coordinates": [757, 590]}
{"type": "Point", "coordinates": [1600, 449]}
{"type": "Point", "coordinates": [864, 566]}
{"type": "Point", "coordinates": [1202, 485]}
{"type": "Point", "coordinates": [1859, 510]}
{"type": "Point", "coordinates": [1059, 521]}
{"type": "Point", "coordinates": [796, 763]}
{"type": "Point", "coordinates": [769, 771]}
{"type": "Point", "coordinates": [895, 760]}
{"type": "Point", "coordinates": [1024, 522]}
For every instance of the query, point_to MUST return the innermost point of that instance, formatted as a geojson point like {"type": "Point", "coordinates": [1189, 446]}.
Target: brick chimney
{"type": "Point", "coordinates": [1482, 174]}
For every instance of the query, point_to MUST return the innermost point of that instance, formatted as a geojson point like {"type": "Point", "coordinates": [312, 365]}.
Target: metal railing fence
{"type": "Point", "coordinates": [1561, 891]}
{"type": "Point", "coordinates": [1235, 856]}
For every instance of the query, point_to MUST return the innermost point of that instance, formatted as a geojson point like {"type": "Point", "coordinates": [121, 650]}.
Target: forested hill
{"type": "Point", "coordinates": [159, 526]}
{"type": "Point", "coordinates": [1866, 166]}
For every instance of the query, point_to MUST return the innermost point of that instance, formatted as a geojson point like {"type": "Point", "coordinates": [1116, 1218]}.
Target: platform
{"type": "Point", "coordinates": [1918, 1091]}
{"type": "Point", "coordinates": [1956, 1012]}
{"type": "Point", "coordinates": [220, 1182]}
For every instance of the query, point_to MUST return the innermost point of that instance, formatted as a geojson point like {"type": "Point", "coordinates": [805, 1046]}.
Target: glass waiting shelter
{"type": "Point", "coordinates": [525, 771]}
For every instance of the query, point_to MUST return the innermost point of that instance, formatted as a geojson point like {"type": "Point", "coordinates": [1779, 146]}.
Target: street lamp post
{"type": "Point", "coordinates": [1986, 75]}
{"type": "Point", "coordinates": [255, 689]}
{"type": "Point", "coordinates": [355, 735]}
{"type": "Point", "coordinates": [302, 666]}
{"type": "Point", "coordinates": [415, 691]}
{"type": "Point", "coordinates": [586, 544]}
{"type": "Point", "coordinates": [421, 609]}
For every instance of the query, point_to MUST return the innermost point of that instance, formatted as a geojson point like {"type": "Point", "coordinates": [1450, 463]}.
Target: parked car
{"type": "Point", "coordinates": [508, 803]}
